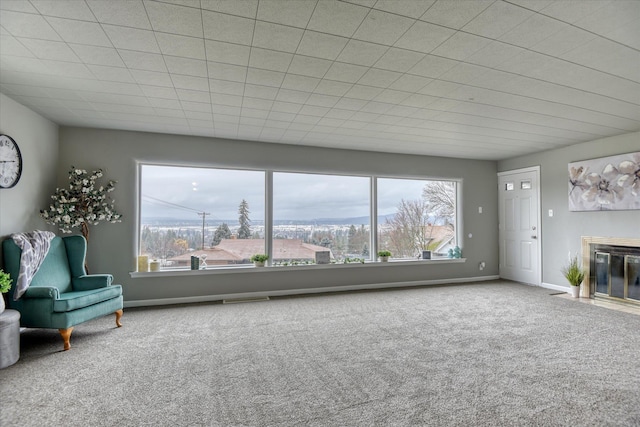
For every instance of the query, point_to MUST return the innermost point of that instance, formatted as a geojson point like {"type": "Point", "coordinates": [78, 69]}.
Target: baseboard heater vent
{"type": "Point", "coordinates": [241, 300]}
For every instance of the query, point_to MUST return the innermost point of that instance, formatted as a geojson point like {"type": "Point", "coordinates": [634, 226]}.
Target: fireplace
{"type": "Point", "coordinates": [612, 268]}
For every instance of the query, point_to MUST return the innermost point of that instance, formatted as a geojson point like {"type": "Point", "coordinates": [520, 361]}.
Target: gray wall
{"type": "Point", "coordinates": [37, 139]}
{"type": "Point", "coordinates": [562, 232]}
{"type": "Point", "coordinates": [112, 246]}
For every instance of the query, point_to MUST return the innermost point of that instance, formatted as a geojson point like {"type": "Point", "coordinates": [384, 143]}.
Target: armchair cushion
{"type": "Point", "coordinates": [74, 300]}
{"type": "Point", "coordinates": [93, 281]}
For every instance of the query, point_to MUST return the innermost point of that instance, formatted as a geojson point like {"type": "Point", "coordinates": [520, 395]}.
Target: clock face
{"type": "Point", "coordinates": [10, 162]}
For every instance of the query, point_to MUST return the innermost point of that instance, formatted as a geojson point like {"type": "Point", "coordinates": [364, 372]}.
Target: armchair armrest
{"type": "Point", "coordinates": [91, 281]}
{"type": "Point", "coordinates": [42, 292]}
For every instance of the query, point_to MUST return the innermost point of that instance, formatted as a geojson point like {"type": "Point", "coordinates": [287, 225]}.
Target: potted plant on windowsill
{"type": "Point", "coordinates": [5, 285]}
{"type": "Point", "coordinates": [259, 259]}
{"type": "Point", "coordinates": [384, 255]}
{"type": "Point", "coordinates": [574, 274]}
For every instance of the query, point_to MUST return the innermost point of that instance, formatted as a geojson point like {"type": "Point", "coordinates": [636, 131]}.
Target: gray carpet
{"type": "Point", "coordinates": [479, 354]}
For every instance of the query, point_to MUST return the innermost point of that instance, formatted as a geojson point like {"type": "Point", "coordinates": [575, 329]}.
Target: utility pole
{"type": "Point", "coordinates": [203, 215]}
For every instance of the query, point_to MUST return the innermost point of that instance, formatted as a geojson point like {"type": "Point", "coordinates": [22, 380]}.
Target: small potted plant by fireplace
{"type": "Point", "coordinates": [574, 274]}
{"type": "Point", "coordinates": [259, 259]}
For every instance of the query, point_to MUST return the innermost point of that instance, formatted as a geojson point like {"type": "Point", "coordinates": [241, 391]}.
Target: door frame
{"type": "Point", "coordinates": [536, 170]}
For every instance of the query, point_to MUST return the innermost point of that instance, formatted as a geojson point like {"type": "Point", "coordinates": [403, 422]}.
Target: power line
{"type": "Point", "coordinates": [171, 204]}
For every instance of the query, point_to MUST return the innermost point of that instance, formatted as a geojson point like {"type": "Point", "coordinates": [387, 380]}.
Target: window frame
{"type": "Point", "coordinates": [268, 216]}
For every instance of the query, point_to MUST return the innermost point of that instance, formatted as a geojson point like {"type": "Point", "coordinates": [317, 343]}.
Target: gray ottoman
{"type": "Point", "coordinates": [9, 337]}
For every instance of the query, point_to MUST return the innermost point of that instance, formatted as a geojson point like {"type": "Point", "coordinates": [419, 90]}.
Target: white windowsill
{"type": "Point", "coordinates": [248, 268]}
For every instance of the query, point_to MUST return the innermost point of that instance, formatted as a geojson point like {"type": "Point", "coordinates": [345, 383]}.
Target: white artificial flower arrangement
{"type": "Point", "coordinates": [84, 203]}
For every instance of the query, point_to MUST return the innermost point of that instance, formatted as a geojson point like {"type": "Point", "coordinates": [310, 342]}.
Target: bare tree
{"type": "Point", "coordinates": [410, 228]}
{"type": "Point", "coordinates": [441, 198]}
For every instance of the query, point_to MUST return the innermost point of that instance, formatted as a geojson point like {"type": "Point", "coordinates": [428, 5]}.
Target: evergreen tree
{"type": "Point", "coordinates": [222, 232]}
{"type": "Point", "coordinates": [244, 232]}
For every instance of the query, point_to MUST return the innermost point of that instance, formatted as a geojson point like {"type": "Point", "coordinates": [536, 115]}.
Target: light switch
{"type": "Point", "coordinates": [550, 212]}
{"type": "Point", "coordinates": [479, 209]}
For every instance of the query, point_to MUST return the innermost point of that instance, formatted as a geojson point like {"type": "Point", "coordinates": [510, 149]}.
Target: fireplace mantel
{"type": "Point", "coordinates": [586, 251]}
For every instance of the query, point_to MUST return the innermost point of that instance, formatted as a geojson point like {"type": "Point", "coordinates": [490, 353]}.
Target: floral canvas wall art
{"type": "Point", "coordinates": [608, 183]}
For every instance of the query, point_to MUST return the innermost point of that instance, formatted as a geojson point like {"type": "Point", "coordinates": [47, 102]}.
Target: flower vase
{"type": "Point", "coordinates": [2, 307]}
{"type": "Point", "coordinates": [575, 291]}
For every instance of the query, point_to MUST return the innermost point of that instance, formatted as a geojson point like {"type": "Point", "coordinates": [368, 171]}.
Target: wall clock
{"type": "Point", "coordinates": [10, 162]}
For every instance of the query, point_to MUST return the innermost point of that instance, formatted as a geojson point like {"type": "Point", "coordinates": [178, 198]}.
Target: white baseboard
{"type": "Point", "coordinates": [284, 292]}
{"type": "Point", "coordinates": [555, 287]}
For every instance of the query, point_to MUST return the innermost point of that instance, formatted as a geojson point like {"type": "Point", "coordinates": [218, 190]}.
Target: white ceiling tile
{"type": "Point", "coordinates": [297, 82]}
{"type": "Point", "coordinates": [226, 109]}
{"type": "Point", "coordinates": [115, 74]}
{"type": "Point", "coordinates": [47, 49]}
{"type": "Point", "coordinates": [410, 83]}
{"type": "Point", "coordinates": [143, 61]}
{"type": "Point", "coordinates": [264, 77]}
{"type": "Point", "coordinates": [9, 45]}
{"type": "Point", "coordinates": [382, 27]}
{"type": "Point", "coordinates": [377, 107]}
{"type": "Point", "coordinates": [363, 92]}
{"type": "Point", "coordinates": [392, 96]}
{"type": "Point", "coordinates": [132, 39]}
{"type": "Point", "coordinates": [286, 107]}
{"type": "Point", "coordinates": [257, 103]}
{"type": "Point", "coordinates": [627, 34]}
{"type": "Point", "coordinates": [320, 45]}
{"type": "Point", "coordinates": [455, 13]}
{"type": "Point", "coordinates": [193, 95]}
{"type": "Point", "coordinates": [66, 69]}
{"type": "Point", "coordinates": [497, 19]}
{"type": "Point", "coordinates": [188, 66]}
{"type": "Point", "coordinates": [345, 72]}
{"type": "Point", "coordinates": [128, 13]}
{"type": "Point", "coordinates": [295, 96]}
{"type": "Point", "coordinates": [175, 45]}
{"type": "Point", "coordinates": [120, 88]}
{"type": "Point", "coordinates": [152, 78]}
{"type": "Point", "coordinates": [409, 8]}
{"type": "Point", "coordinates": [399, 60]}
{"type": "Point", "coordinates": [533, 4]}
{"type": "Point", "coordinates": [276, 37]}
{"type": "Point", "coordinates": [610, 17]}
{"type": "Point", "coordinates": [161, 111]}
{"type": "Point", "coordinates": [379, 78]}
{"type": "Point", "coordinates": [257, 91]}
{"type": "Point", "coordinates": [308, 66]}
{"type": "Point", "coordinates": [328, 87]}
{"type": "Point", "coordinates": [424, 37]}
{"type": "Point", "coordinates": [321, 100]}
{"type": "Point", "coordinates": [339, 18]}
{"type": "Point", "coordinates": [338, 113]}
{"type": "Point", "coordinates": [230, 72]}
{"type": "Point", "coordinates": [297, 13]}
{"type": "Point", "coordinates": [80, 32]}
{"type": "Point", "coordinates": [432, 66]}
{"type": "Point", "coordinates": [269, 59]}
{"type": "Point", "coordinates": [310, 110]}
{"type": "Point", "coordinates": [535, 29]}
{"type": "Point", "coordinates": [419, 101]}
{"type": "Point", "coordinates": [190, 82]}
{"type": "Point", "coordinates": [196, 106]}
{"type": "Point", "coordinates": [27, 25]}
{"type": "Point", "coordinates": [461, 45]}
{"type": "Point", "coordinates": [227, 52]}
{"type": "Point", "coordinates": [573, 10]}
{"type": "Point", "coordinates": [464, 73]}
{"type": "Point", "coordinates": [168, 18]}
{"type": "Point", "coordinates": [244, 8]}
{"type": "Point", "coordinates": [230, 100]}
{"type": "Point", "coordinates": [494, 54]}
{"type": "Point", "coordinates": [225, 87]}
{"type": "Point", "coordinates": [17, 6]}
{"type": "Point", "coordinates": [607, 56]}
{"type": "Point", "coordinates": [362, 53]}
{"type": "Point", "coordinates": [97, 55]}
{"type": "Point", "coordinates": [71, 9]}
{"type": "Point", "coordinates": [227, 28]}
{"type": "Point", "coordinates": [563, 41]}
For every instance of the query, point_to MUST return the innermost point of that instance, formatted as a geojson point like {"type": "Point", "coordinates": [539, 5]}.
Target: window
{"type": "Point", "coordinates": [215, 214]}
{"type": "Point", "coordinates": [320, 213]}
{"type": "Point", "coordinates": [416, 215]}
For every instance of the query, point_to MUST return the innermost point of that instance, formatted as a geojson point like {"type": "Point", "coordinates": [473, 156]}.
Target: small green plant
{"type": "Point", "coordinates": [5, 282]}
{"type": "Point", "coordinates": [573, 272]}
{"type": "Point", "coordinates": [384, 253]}
{"type": "Point", "coordinates": [259, 258]}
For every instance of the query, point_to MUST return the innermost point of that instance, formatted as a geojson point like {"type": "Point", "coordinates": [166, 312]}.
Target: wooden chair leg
{"type": "Point", "coordinates": [66, 336]}
{"type": "Point", "coordinates": [118, 316]}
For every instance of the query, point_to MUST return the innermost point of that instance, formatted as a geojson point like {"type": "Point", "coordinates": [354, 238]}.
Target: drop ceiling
{"type": "Point", "coordinates": [479, 79]}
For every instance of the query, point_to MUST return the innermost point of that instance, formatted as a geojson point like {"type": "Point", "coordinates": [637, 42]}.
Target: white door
{"type": "Point", "coordinates": [519, 228]}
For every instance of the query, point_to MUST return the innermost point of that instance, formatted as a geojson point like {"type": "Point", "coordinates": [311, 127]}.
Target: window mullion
{"type": "Point", "coordinates": [268, 215]}
{"type": "Point", "coordinates": [373, 221]}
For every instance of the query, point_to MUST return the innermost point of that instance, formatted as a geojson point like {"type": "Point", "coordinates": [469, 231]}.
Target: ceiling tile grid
{"type": "Point", "coordinates": [484, 79]}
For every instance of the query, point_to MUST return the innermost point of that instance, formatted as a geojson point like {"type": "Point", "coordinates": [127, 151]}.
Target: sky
{"type": "Point", "coordinates": [182, 192]}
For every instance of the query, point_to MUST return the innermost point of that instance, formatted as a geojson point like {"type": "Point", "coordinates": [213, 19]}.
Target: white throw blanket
{"type": "Point", "coordinates": [35, 246]}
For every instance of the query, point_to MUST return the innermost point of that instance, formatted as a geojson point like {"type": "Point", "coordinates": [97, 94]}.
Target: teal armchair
{"type": "Point", "coordinates": [61, 294]}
